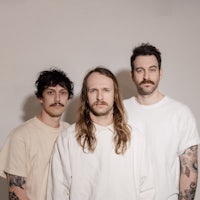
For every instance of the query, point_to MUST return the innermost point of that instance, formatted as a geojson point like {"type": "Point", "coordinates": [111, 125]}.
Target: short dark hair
{"type": "Point", "coordinates": [53, 77]}
{"type": "Point", "coordinates": [145, 49]}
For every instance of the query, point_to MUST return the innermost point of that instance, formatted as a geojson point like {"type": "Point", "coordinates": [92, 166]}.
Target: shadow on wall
{"type": "Point", "coordinates": [31, 107]}
{"type": "Point", "coordinates": [127, 88]}
{"type": "Point", "coordinates": [126, 85]}
{"type": "Point", "coordinates": [70, 113]}
{"type": "Point", "coordinates": [4, 189]}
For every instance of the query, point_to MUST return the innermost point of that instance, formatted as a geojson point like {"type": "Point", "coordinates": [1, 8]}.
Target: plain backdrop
{"type": "Point", "coordinates": [77, 35]}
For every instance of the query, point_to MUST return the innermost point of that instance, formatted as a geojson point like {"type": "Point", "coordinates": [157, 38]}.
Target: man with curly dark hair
{"type": "Point", "coordinates": [25, 156]}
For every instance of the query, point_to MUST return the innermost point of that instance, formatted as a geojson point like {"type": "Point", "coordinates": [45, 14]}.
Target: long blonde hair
{"type": "Point", "coordinates": [85, 130]}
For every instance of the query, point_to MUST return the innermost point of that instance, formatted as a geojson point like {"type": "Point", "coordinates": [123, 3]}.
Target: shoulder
{"type": "Point", "coordinates": [178, 107]}
{"type": "Point", "coordinates": [22, 129]}
{"type": "Point", "coordinates": [176, 103]}
{"type": "Point", "coordinates": [129, 100]}
{"type": "Point", "coordinates": [68, 132]}
{"type": "Point", "coordinates": [66, 138]}
{"type": "Point", "coordinates": [136, 136]}
{"type": "Point", "coordinates": [130, 103]}
{"type": "Point", "coordinates": [64, 124]}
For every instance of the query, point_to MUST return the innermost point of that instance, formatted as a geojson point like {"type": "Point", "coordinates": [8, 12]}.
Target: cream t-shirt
{"type": "Point", "coordinates": [27, 151]}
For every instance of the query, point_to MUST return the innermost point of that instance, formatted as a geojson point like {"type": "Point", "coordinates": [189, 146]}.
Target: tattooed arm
{"type": "Point", "coordinates": [16, 187]}
{"type": "Point", "coordinates": [188, 174]}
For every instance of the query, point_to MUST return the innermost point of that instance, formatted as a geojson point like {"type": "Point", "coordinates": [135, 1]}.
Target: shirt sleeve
{"type": "Point", "coordinates": [59, 179]}
{"type": "Point", "coordinates": [187, 128]}
{"type": "Point", "coordinates": [14, 154]}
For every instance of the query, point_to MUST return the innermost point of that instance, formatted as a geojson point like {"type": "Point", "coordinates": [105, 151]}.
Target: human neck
{"type": "Point", "coordinates": [102, 120]}
{"type": "Point", "coordinates": [53, 122]}
{"type": "Point", "coordinates": [149, 99]}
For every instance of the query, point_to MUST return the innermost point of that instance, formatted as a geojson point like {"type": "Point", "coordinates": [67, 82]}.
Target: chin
{"type": "Point", "coordinates": [56, 115]}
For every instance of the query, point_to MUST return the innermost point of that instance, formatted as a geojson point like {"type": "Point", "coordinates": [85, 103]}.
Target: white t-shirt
{"type": "Point", "coordinates": [27, 152]}
{"type": "Point", "coordinates": [101, 175]}
{"type": "Point", "coordinates": [170, 128]}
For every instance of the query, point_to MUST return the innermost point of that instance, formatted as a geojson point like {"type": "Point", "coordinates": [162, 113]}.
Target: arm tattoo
{"type": "Point", "coordinates": [16, 181]}
{"type": "Point", "coordinates": [188, 163]}
{"type": "Point", "coordinates": [188, 194]}
{"type": "Point", "coordinates": [189, 170]}
{"type": "Point", "coordinates": [12, 196]}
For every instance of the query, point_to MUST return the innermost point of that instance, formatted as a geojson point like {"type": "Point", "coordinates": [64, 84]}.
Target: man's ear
{"type": "Point", "coordinates": [40, 100]}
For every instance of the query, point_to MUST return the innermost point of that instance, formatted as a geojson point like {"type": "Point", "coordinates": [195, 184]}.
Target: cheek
{"type": "Point", "coordinates": [109, 98]}
{"type": "Point", "coordinates": [47, 101]}
{"type": "Point", "coordinates": [91, 100]}
{"type": "Point", "coordinates": [135, 80]}
{"type": "Point", "coordinates": [88, 99]}
{"type": "Point", "coordinates": [64, 98]}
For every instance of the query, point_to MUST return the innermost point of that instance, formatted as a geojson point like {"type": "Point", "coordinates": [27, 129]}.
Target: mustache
{"type": "Point", "coordinates": [147, 81]}
{"type": "Point", "coordinates": [56, 104]}
{"type": "Point", "coordinates": [99, 103]}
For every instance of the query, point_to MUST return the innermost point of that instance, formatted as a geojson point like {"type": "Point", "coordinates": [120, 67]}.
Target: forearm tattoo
{"type": "Point", "coordinates": [188, 194]}
{"type": "Point", "coordinates": [15, 181]}
{"type": "Point", "coordinates": [189, 161]}
{"type": "Point", "coordinates": [189, 167]}
{"type": "Point", "coordinates": [13, 196]}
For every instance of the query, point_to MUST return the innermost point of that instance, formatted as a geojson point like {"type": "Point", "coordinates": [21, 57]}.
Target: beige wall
{"type": "Point", "coordinates": [76, 35]}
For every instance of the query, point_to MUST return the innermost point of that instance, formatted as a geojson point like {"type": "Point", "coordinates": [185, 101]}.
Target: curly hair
{"type": "Point", "coordinates": [53, 77]}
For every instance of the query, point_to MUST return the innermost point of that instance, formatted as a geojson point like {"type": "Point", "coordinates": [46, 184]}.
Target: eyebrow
{"type": "Point", "coordinates": [148, 67]}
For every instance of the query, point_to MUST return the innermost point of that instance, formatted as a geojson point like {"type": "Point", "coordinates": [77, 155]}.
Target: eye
{"type": "Point", "coordinates": [63, 93]}
{"type": "Point", "coordinates": [106, 90]}
{"type": "Point", "coordinates": [153, 69]}
{"type": "Point", "coordinates": [50, 92]}
{"type": "Point", "coordinates": [91, 91]}
{"type": "Point", "coordinates": [139, 70]}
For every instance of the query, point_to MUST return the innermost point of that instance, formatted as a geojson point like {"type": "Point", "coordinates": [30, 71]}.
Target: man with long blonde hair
{"type": "Point", "coordinates": [85, 127]}
{"type": "Point", "coordinates": [100, 157]}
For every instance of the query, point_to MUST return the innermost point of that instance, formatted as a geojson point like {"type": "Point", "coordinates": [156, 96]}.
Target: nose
{"type": "Point", "coordinates": [57, 97]}
{"type": "Point", "coordinates": [99, 95]}
{"type": "Point", "coordinates": [146, 75]}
